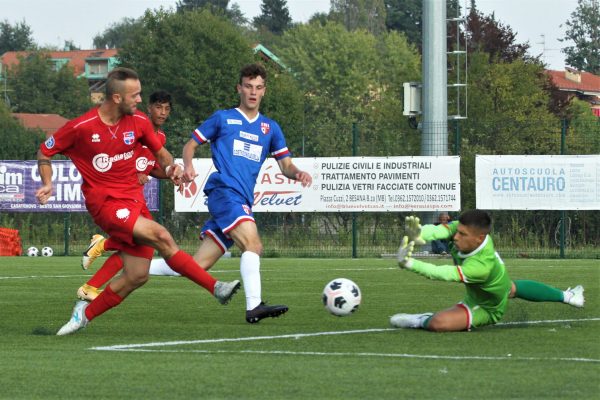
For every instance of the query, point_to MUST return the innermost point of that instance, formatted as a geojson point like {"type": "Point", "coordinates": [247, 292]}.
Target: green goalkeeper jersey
{"type": "Point", "coordinates": [482, 271]}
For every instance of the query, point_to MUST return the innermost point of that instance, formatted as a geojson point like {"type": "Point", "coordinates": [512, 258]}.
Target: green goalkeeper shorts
{"type": "Point", "coordinates": [477, 316]}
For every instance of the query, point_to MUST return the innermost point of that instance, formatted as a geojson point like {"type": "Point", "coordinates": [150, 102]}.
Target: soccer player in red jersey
{"type": "Point", "coordinates": [159, 109]}
{"type": "Point", "coordinates": [101, 143]}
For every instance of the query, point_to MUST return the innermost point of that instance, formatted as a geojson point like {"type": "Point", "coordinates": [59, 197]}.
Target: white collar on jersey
{"type": "Point", "coordinates": [477, 250]}
{"type": "Point", "coordinates": [246, 117]}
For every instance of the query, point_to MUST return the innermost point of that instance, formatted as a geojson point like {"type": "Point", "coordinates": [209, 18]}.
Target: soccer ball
{"type": "Point", "coordinates": [47, 251]}
{"type": "Point", "coordinates": [33, 252]}
{"type": "Point", "coordinates": [341, 297]}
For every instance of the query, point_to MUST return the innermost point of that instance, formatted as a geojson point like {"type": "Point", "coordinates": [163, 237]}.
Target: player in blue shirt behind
{"type": "Point", "coordinates": [240, 139]}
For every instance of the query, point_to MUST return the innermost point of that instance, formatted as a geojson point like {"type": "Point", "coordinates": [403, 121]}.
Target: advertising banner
{"type": "Point", "coordinates": [549, 182]}
{"type": "Point", "coordinates": [19, 181]}
{"type": "Point", "coordinates": [345, 184]}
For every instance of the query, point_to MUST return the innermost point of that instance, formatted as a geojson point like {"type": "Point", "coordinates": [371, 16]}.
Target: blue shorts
{"type": "Point", "coordinates": [227, 210]}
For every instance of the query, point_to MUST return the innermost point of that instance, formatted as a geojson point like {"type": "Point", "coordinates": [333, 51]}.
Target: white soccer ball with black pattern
{"type": "Point", "coordinates": [47, 251]}
{"type": "Point", "coordinates": [341, 297]}
{"type": "Point", "coordinates": [33, 252]}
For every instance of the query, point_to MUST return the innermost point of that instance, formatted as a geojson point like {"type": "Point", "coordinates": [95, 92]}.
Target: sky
{"type": "Point", "coordinates": [55, 21]}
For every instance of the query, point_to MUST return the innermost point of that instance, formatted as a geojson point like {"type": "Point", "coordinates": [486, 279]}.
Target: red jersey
{"type": "Point", "coordinates": [144, 159]}
{"type": "Point", "coordinates": [104, 155]}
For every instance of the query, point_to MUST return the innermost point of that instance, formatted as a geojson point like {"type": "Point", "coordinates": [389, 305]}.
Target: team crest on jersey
{"type": "Point", "coordinates": [95, 138]}
{"type": "Point", "coordinates": [265, 128]}
{"type": "Point", "coordinates": [49, 142]}
{"type": "Point", "coordinates": [247, 209]}
{"type": "Point", "coordinates": [129, 137]}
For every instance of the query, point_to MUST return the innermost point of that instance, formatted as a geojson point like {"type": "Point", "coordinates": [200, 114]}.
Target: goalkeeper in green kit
{"type": "Point", "coordinates": [479, 267]}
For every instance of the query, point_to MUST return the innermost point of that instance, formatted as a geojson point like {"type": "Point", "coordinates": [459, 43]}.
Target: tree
{"type": "Point", "coordinates": [216, 7]}
{"type": "Point", "coordinates": [584, 31]}
{"type": "Point", "coordinates": [37, 88]}
{"type": "Point", "coordinates": [274, 16]}
{"type": "Point", "coordinates": [583, 135]}
{"type": "Point", "coordinates": [70, 46]}
{"type": "Point", "coordinates": [486, 34]}
{"type": "Point", "coordinates": [191, 5]}
{"type": "Point", "coordinates": [359, 14]}
{"type": "Point", "coordinates": [15, 38]}
{"type": "Point", "coordinates": [236, 16]}
{"type": "Point", "coordinates": [406, 16]}
{"type": "Point", "coordinates": [117, 34]}
{"type": "Point", "coordinates": [350, 77]}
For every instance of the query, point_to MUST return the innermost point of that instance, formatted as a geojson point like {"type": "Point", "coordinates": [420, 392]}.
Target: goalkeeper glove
{"type": "Point", "coordinates": [405, 253]}
{"type": "Point", "coordinates": [413, 230]}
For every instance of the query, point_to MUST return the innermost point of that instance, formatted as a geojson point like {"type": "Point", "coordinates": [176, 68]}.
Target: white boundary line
{"type": "Point", "coordinates": [212, 271]}
{"type": "Point", "coordinates": [144, 347]}
{"type": "Point", "coordinates": [386, 355]}
{"type": "Point", "coordinates": [42, 276]}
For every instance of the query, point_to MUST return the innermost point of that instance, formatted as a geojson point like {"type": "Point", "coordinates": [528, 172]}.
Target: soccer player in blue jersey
{"type": "Point", "coordinates": [241, 139]}
{"type": "Point", "coordinates": [479, 267]}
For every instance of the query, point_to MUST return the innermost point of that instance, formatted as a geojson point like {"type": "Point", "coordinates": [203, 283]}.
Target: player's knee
{"type": "Point", "coordinates": [163, 239]}
{"type": "Point", "coordinates": [135, 280]}
{"type": "Point", "coordinates": [254, 246]}
{"type": "Point", "coordinates": [258, 248]}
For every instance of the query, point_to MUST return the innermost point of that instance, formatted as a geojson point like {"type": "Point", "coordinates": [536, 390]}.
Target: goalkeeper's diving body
{"type": "Point", "coordinates": [479, 267]}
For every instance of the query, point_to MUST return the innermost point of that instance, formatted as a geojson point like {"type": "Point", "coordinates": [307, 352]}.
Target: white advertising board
{"type": "Point", "coordinates": [345, 184]}
{"type": "Point", "coordinates": [549, 182]}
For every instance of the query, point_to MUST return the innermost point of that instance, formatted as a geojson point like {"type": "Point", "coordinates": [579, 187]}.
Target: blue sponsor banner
{"type": "Point", "coordinates": [19, 180]}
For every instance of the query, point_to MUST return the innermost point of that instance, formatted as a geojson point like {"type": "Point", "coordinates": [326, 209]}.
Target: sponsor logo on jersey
{"type": "Point", "coordinates": [95, 138]}
{"type": "Point", "coordinates": [129, 137]}
{"type": "Point", "coordinates": [265, 127]}
{"type": "Point", "coordinates": [141, 164]}
{"type": "Point", "coordinates": [249, 136]}
{"type": "Point", "coordinates": [247, 150]}
{"type": "Point", "coordinates": [49, 142]}
{"type": "Point", "coordinates": [103, 162]}
{"type": "Point", "coordinates": [234, 121]}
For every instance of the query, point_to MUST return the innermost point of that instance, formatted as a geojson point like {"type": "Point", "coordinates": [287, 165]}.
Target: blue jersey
{"type": "Point", "coordinates": [239, 147]}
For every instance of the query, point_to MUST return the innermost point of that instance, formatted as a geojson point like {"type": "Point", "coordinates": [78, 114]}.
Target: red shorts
{"type": "Point", "coordinates": [117, 217]}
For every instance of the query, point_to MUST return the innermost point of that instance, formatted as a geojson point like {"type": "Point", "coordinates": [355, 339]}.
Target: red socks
{"type": "Point", "coordinates": [183, 263]}
{"type": "Point", "coordinates": [111, 266]}
{"type": "Point", "coordinates": [104, 302]}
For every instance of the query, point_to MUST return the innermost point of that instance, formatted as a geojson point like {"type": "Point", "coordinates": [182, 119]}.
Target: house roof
{"type": "Point", "coordinates": [589, 82]}
{"type": "Point", "coordinates": [76, 57]}
{"type": "Point", "coordinates": [49, 123]}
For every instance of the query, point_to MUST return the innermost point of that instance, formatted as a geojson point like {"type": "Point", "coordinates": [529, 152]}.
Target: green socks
{"type": "Point", "coordinates": [537, 291]}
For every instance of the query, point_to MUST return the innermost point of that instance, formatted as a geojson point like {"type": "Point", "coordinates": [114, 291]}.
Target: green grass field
{"type": "Point", "coordinates": [175, 341]}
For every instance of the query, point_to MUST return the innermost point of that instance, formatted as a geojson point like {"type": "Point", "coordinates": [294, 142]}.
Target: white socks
{"type": "Point", "coordinates": [250, 271]}
{"type": "Point", "coordinates": [158, 266]}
